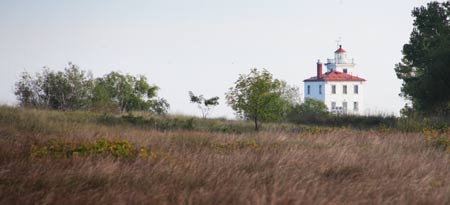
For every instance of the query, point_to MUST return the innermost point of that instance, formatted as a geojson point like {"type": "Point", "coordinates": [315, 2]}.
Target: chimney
{"type": "Point", "coordinates": [319, 69]}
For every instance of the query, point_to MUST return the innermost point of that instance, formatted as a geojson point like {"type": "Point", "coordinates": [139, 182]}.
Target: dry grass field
{"type": "Point", "coordinates": [49, 157]}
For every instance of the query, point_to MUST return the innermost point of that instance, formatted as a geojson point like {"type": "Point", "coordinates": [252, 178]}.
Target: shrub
{"type": "Point", "coordinates": [120, 149]}
{"type": "Point", "coordinates": [438, 139]}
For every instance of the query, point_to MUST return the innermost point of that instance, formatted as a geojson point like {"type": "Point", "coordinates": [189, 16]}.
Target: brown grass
{"type": "Point", "coordinates": [272, 167]}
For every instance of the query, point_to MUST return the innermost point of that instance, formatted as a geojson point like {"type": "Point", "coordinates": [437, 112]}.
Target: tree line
{"type": "Point", "coordinates": [76, 89]}
{"type": "Point", "coordinates": [256, 96]}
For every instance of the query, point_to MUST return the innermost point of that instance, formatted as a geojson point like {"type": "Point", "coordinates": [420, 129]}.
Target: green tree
{"type": "Point", "coordinates": [65, 90]}
{"type": "Point", "coordinates": [257, 96]}
{"type": "Point", "coordinates": [74, 89]}
{"type": "Point", "coordinates": [425, 67]}
{"type": "Point", "coordinates": [311, 110]}
{"type": "Point", "coordinates": [27, 91]}
{"type": "Point", "coordinates": [128, 93]}
{"type": "Point", "coordinates": [205, 105]}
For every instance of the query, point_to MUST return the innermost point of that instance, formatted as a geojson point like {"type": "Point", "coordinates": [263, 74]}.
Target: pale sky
{"type": "Point", "coordinates": [203, 45]}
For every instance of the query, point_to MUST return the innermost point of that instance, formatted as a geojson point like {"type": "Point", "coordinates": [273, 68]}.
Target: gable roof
{"type": "Point", "coordinates": [335, 76]}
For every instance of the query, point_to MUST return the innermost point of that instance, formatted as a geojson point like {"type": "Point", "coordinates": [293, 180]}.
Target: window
{"type": "Point", "coordinates": [344, 106]}
{"type": "Point", "coordinates": [333, 105]}
{"type": "Point", "coordinates": [333, 89]}
{"type": "Point", "coordinates": [320, 89]}
{"type": "Point", "coordinates": [344, 89]}
{"type": "Point", "coordinates": [355, 89]}
{"type": "Point", "coordinates": [355, 106]}
{"type": "Point", "coordinates": [345, 70]}
{"type": "Point", "coordinates": [309, 89]}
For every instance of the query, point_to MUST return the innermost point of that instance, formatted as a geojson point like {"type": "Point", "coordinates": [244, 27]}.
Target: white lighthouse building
{"type": "Point", "coordinates": [339, 88]}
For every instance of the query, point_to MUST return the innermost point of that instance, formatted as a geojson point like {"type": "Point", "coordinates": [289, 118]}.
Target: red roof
{"type": "Point", "coordinates": [335, 76]}
{"type": "Point", "coordinates": [340, 50]}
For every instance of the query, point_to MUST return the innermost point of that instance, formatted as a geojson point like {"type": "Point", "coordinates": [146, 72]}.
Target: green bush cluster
{"type": "Point", "coordinates": [436, 138]}
{"type": "Point", "coordinates": [101, 147]}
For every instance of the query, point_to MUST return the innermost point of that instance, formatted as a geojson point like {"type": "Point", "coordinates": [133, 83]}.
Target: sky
{"type": "Point", "coordinates": [203, 45]}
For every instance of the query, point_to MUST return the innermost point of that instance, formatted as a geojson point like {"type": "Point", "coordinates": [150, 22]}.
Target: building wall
{"type": "Point", "coordinates": [314, 90]}
{"type": "Point", "coordinates": [340, 97]}
{"type": "Point", "coordinates": [350, 68]}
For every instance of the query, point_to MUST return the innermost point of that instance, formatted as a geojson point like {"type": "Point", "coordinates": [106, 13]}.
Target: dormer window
{"type": "Point", "coordinates": [345, 70]}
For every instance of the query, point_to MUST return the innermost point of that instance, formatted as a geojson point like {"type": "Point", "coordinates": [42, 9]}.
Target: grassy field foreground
{"type": "Point", "coordinates": [49, 157]}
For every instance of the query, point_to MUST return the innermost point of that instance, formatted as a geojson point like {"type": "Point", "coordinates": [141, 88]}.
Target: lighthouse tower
{"type": "Point", "coordinates": [339, 88]}
{"type": "Point", "coordinates": [341, 63]}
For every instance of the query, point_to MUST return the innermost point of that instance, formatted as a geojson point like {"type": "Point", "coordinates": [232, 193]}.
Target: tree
{"type": "Point", "coordinates": [425, 67]}
{"type": "Point", "coordinates": [258, 97]}
{"type": "Point", "coordinates": [74, 89]}
{"type": "Point", "coordinates": [205, 105]}
{"type": "Point", "coordinates": [311, 110]}
{"type": "Point", "coordinates": [128, 93]}
{"type": "Point", "coordinates": [66, 90]}
{"type": "Point", "coordinates": [159, 106]}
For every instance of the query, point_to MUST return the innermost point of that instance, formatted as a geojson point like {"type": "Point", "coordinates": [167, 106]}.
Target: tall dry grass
{"type": "Point", "coordinates": [335, 166]}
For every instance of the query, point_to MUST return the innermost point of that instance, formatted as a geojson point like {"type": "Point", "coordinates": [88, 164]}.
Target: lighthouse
{"type": "Point", "coordinates": [339, 88]}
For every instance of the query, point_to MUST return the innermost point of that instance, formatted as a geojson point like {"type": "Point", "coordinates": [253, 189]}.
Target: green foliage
{"type": "Point", "coordinates": [68, 90]}
{"type": "Point", "coordinates": [438, 138]}
{"type": "Point", "coordinates": [310, 110]}
{"type": "Point", "coordinates": [258, 97]}
{"type": "Point", "coordinates": [205, 105]}
{"type": "Point", "coordinates": [425, 67]}
{"type": "Point", "coordinates": [121, 149]}
{"type": "Point", "coordinates": [128, 93]}
{"type": "Point", "coordinates": [74, 89]}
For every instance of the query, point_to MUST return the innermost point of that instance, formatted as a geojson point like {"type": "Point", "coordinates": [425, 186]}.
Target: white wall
{"type": "Point", "coordinates": [350, 97]}
{"type": "Point", "coordinates": [314, 90]}
{"type": "Point", "coordinates": [350, 68]}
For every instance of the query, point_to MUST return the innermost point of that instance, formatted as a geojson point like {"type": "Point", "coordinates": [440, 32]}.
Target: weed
{"type": "Point", "coordinates": [102, 147]}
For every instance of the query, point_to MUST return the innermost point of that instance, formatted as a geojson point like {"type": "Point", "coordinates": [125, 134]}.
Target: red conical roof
{"type": "Point", "coordinates": [340, 50]}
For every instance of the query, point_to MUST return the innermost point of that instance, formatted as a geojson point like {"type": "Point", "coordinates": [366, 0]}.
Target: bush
{"type": "Point", "coordinates": [120, 149]}
{"type": "Point", "coordinates": [439, 139]}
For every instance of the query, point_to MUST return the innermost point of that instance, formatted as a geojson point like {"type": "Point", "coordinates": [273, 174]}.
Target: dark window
{"type": "Point", "coordinates": [309, 90]}
{"type": "Point", "coordinates": [333, 89]}
{"type": "Point", "coordinates": [355, 106]}
{"type": "Point", "coordinates": [344, 89]}
{"type": "Point", "coordinates": [355, 89]}
{"type": "Point", "coordinates": [320, 89]}
{"type": "Point", "coordinates": [345, 70]}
